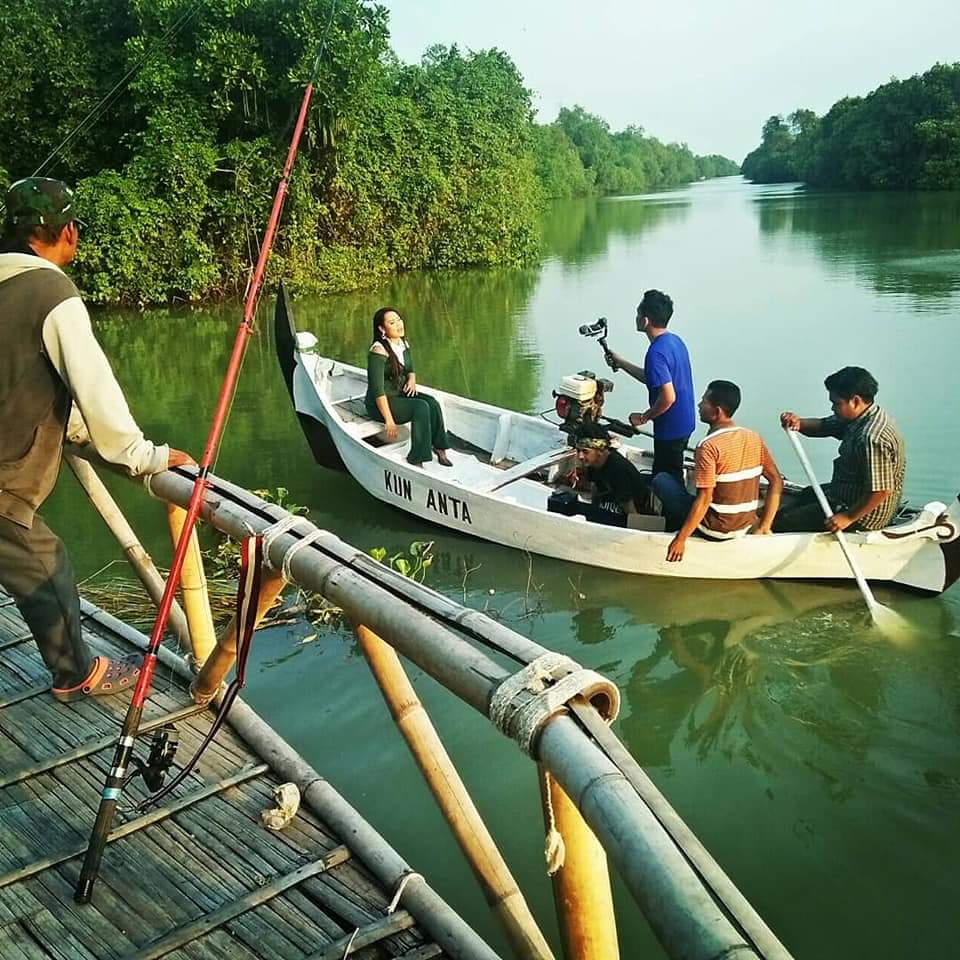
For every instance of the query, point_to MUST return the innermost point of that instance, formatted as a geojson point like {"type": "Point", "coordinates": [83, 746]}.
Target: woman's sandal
{"type": "Point", "coordinates": [106, 677]}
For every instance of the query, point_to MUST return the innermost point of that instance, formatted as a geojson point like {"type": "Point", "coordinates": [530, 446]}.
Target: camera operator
{"type": "Point", "coordinates": [618, 488]}
{"type": "Point", "coordinates": [666, 372]}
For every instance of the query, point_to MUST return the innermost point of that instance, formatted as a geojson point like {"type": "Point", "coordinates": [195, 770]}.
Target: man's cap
{"type": "Point", "coordinates": [39, 202]}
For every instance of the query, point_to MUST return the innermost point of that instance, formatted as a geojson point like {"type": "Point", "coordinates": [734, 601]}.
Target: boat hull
{"type": "Point", "coordinates": [924, 555]}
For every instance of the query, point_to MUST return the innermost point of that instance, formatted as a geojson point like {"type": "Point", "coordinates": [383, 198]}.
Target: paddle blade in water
{"type": "Point", "coordinates": [893, 626]}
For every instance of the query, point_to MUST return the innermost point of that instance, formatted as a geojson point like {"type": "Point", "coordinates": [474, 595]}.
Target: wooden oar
{"type": "Point", "coordinates": [881, 615]}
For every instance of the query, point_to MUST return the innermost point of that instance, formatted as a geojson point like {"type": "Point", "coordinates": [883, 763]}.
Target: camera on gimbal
{"type": "Point", "coordinates": [579, 398]}
{"type": "Point", "coordinates": [594, 329]}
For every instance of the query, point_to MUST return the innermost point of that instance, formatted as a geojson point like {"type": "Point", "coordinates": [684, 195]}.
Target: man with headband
{"type": "Point", "coordinates": [618, 488]}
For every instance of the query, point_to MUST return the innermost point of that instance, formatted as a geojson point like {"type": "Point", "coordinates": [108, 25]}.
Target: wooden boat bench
{"type": "Point", "coordinates": [524, 469]}
{"type": "Point", "coordinates": [353, 412]}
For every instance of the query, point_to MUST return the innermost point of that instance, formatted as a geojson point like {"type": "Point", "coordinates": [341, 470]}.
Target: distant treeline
{"type": "Point", "coordinates": [438, 164]}
{"type": "Point", "coordinates": [903, 135]}
{"type": "Point", "coordinates": [578, 155]}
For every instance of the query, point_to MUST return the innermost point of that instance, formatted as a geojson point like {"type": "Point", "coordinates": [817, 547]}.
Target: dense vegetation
{"type": "Point", "coordinates": [437, 164]}
{"type": "Point", "coordinates": [903, 135]}
{"type": "Point", "coordinates": [578, 155]}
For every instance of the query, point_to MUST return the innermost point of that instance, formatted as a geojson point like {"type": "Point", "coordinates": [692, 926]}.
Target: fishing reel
{"type": "Point", "coordinates": [599, 330]}
{"type": "Point", "coordinates": [163, 749]}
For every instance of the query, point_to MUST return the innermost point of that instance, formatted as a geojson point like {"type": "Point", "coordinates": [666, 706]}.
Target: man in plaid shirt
{"type": "Point", "coordinates": [867, 482]}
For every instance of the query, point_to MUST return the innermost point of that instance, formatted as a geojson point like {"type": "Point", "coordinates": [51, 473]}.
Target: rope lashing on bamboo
{"type": "Point", "coordinates": [523, 703]}
{"type": "Point", "coordinates": [277, 530]}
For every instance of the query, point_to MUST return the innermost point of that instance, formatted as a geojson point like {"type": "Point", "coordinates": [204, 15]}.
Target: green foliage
{"type": "Point", "coordinates": [413, 563]}
{"type": "Point", "coordinates": [623, 162]}
{"type": "Point", "coordinates": [559, 168]}
{"type": "Point", "coordinates": [714, 165]}
{"type": "Point", "coordinates": [940, 140]}
{"type": "Point", "coordinates": [437, 171]}
{"type": "Point", "coordinates": [903, 135]}
{"type": "Point", "coordinates": [401, 167]}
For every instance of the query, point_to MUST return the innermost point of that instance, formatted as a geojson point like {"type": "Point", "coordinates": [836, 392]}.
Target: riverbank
{"type": "Point", "coordinates": [403, 167]}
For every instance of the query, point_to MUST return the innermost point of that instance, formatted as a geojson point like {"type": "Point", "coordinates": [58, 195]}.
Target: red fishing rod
{"type": "Point", "coordinates": [131, 724]}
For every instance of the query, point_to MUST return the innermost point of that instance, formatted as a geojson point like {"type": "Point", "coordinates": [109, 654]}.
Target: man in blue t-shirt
{"type": "Point", "coordinates": [666, 372]}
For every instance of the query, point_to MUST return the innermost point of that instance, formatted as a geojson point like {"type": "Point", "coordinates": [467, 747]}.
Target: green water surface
{"type": "Point", "coordinates": [817, 761]}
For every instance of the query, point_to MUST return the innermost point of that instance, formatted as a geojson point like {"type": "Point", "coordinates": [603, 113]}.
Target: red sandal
{"type": "Point", "coordinates": [106, 677]}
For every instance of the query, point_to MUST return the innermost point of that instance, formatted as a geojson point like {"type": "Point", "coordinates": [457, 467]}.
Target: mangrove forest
{"type": "Point", "coordinates": [904, 135]}
{"type": "Point", "coordinates": [184, 110]}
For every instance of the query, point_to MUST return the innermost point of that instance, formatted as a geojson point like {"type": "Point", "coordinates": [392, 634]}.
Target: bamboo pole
{"type": "Point", "coordinates": [204, 688]}
{"type": "Point", "coordinates": [499, 887]}
{"type": "Point", "coordinates": [443, 924]}
{"type": "Point", "coordinates": [581, 885]}
{"type": "Point", "coordinates": [138, 558]}
{"type": "Point", "coordinates": [682, 907]}
{"type": "Point", "coordinates": [193, 589]}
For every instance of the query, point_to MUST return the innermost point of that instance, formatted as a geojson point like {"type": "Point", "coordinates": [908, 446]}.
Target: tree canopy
{"type": "Point", "coordinates": [436, 164]}
{"type": "Point", "coordinates": [903, 135]}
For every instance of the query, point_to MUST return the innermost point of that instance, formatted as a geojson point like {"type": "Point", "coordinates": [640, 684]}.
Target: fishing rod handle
{"type": "Point", "coordinates": [109, 798]}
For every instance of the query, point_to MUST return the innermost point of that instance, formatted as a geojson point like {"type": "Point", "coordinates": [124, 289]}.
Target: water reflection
{"type": "Point", "coordinates": [791, 740]}
{"type": "Point", "coordinates": [901, 243]}
{"type": "Point", "coordinates": [578, 232]}
{"type": "Point", "coordinates": [464, 325]}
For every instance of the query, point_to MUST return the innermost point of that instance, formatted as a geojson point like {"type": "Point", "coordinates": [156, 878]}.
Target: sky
{"type": "Point", "coordinates": [706, 73]}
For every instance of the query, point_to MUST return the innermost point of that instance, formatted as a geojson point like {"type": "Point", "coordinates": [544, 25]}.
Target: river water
{"type": "Point", "coordinates": [817, 761]}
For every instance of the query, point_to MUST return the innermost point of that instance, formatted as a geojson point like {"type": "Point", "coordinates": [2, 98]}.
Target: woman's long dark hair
{"type": "Point", "coordinates": [378, 337]}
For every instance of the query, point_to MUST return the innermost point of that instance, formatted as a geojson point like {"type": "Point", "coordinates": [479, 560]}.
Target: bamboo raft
{"type": "Point", "coordinates": [197, 877]}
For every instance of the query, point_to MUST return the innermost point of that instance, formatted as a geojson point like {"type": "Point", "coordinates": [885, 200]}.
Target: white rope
{"type": "Point", "coordinates": [404, 880]}
{"type": "Point", "coordinates": [554, 849]}
{"type": "Point", "coordinates": [276, 530]}
{"type": "Point", "coordinates": [353, 936]}
{"type": "Point", "coordinates": [524, 702]}
{"type": "Point", "coordinates": [295, 548]}
{"type": "Point", "coordinates": [407, 877]}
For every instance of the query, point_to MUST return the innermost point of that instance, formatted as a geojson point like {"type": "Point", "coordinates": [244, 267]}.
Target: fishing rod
{"type": "Point", "coordinates": [113, 787]}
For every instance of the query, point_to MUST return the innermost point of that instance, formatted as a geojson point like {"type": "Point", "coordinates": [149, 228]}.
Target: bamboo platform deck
{"type": "Point", "coordinates": [197, 877]}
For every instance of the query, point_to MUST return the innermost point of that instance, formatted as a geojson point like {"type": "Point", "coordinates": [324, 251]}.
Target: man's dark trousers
{"type": "Point", "coordinates": [804, 513]}
{"type": "Point", "coordinates": [36, 571]}
{"type": "Point", "coordinates": [668, 457]}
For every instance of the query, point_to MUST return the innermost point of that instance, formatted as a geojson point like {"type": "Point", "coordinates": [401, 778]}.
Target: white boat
{"type": "Point", "coordinates": [504, 465]}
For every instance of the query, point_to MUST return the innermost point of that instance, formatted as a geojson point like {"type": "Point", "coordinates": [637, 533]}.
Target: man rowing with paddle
{"type": "Point", "coordinates": [868, 472]}
{"type": "Point", "coordinates": [55, 382]}
{"type": "Point", "coordinates": [729, 462]}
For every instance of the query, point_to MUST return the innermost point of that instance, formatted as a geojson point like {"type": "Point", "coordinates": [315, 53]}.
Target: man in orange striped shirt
{"type": "Point", "coordinates": [729, 462]}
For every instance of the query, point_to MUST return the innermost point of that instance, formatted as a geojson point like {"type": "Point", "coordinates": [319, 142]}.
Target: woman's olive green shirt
{"type": "Point", "coordinates": [380, 382]}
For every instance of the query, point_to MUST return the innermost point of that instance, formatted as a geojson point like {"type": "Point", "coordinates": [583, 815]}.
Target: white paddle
{"type": "Point", "coordinates": [882, 616]}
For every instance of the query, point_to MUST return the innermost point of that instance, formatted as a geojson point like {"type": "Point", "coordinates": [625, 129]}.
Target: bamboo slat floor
{"type": "Point", "coordinates": [197, 877]}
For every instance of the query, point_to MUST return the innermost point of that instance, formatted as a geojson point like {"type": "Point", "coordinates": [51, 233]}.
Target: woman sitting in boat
{"type": "Point", "coordinates": [392, 396]}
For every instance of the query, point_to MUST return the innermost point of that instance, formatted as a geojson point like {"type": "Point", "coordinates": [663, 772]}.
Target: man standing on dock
{"type": "Point", "coordinates": [55, 382]}
{"type": "Point", "coordinates": [666, 372]}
